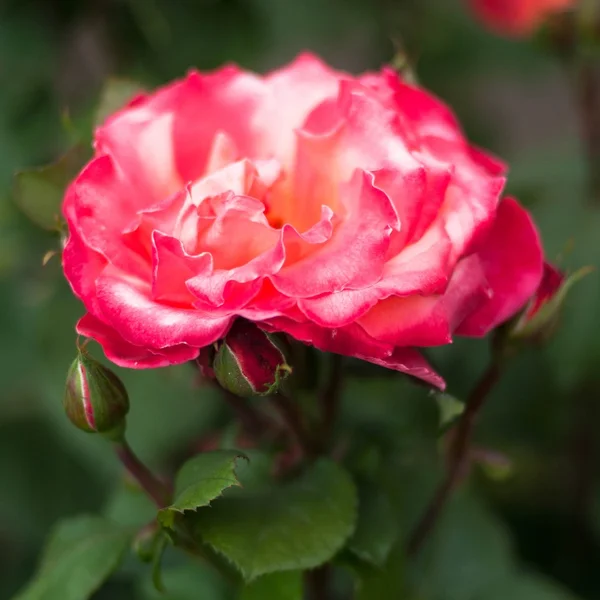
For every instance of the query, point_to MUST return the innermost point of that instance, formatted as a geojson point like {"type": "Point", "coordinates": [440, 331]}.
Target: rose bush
{"type": "Point", "coordinates": [348, 212]}
{"type": "Point", "coordinates": [517, 17]}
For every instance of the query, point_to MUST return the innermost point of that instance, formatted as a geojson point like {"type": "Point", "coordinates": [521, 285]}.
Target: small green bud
{"type": "Point", "coordinates": [95, 399]}
{"type": "Point", "coordinates": [540, 318]}
{"type": "Point", "coordinates": [250, 361]}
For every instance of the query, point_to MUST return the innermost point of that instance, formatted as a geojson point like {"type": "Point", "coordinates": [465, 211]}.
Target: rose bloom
{"type": "Point", "coordinates": [348, 212]}
{"type": "Point", "coordinates": [517, 17]}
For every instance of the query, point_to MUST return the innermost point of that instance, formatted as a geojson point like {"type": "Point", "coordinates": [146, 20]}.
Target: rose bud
{"type": "Point", "coordinates": [539, 319]}
{"type": "Point", "coordinates": [95, 398]}
{"type": "Point", "coordinates": [205, 361]}
{"type": "Point", "coordinates": [250, 361]}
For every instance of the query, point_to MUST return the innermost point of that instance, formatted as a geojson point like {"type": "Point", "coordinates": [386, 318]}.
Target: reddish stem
{"type": "Point", "coordinates": [458, 458]}
{"type": "Point", "coordinates": [155, 488]}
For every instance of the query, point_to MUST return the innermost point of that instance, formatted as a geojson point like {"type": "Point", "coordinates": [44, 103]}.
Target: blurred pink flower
{"type": "Point", "coordinates": [517, 17]}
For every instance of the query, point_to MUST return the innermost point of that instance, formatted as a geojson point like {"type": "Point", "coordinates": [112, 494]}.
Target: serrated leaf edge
{"type": "Point", "coordinates": [167, 522]}
{"type": "Point", "coordinates": [249, 575]}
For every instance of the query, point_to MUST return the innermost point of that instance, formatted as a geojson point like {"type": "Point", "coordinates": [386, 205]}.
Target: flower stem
{"type": "Point", "coordinates": [588, 91]}
{"type": "Point", "coordinates": [254, 422]}
{"type": "Point", "coordinates": [567, 39]}
{"type": "Point", "coordinates": [294, 420]}
{"type": "Point", "coordinates": [156, 489]}
{"type": "Point", "coordinates": [458, 458]}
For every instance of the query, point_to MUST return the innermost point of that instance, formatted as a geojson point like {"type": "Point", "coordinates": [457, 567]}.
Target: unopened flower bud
{"type": "Point", "coordinates": [539, 319]}
{"type": "Point", "coordinates": [250, 361]}
{"type": "Point", "coordinates": [95, 398]}
{"type": "Point", "coordinates": [205, 361]}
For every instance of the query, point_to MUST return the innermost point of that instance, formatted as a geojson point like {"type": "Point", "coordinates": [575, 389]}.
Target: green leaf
{"type": "Point", "coordinates": [200, 480]}
{"type": "Point", "coordinates": [286, 585]}
{"type": "Point", "coordinates": [383, 583]}
{"type": "Point", "coordinates": [450, 409]}
{"type": "Point", "coordinates": [81, 554]}
{"type": "Point", "coordinates": [39, 192]}
{"type": "Point", "coordinates": [187, 582]}
{"type": "Point", "coordinates": [377, 528]}
{"type": "Point", "coordinates": [116, 93]}
{"type": "Point", "coordinates": [299, 525]}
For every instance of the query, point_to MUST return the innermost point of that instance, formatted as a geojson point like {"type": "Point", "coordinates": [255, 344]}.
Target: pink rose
{"type": "Point", "coordinates": [348, 212]}
{"type": "Point", "coordinates": [517, 17]}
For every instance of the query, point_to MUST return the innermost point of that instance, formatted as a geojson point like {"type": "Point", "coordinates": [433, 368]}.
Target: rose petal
{"type": "Point", "coordinates": [429, 321]}
{"type": "Point", "coordinates": [172, 267]}
{"type": "Point", "coordinates": [424, 267]}
{"type": "Point", "coordinates": [339, 308]}
{"type": "Point", "coordinates": [350, 341]}
{"type": "Point", "coordinates": [421, 269]}
{"type": "Point", "coordinates": [140, 141]}
{"type": "Point", "coordinates": [98, 205]}
{"type": "Point", "coordinates": [254, 251]}
{"type": "Point", "coordinates": [258, 114]}
{"type": "Point", "coordinates": [410, 362]}
{"type": "Point", "coordinates": [354, 256]}
{"type": "Point", "coordinates": [124, 354]}
{"type": "Point", "coordinates": [294, 92]}
{"type": "Point", "coordinates": [512, 260]}
{"type": "Point", "coordinates": [354, 341]}
{"type": "Point", "coordinates": [127, 305]}
{"type": "Point", "coordinates": [82, 266]}
{"type": "Point", "coordinates": [471, 199]}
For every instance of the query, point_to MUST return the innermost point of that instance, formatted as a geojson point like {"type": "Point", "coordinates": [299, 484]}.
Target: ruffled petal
{"type": "Point", "coordinates": [355, 254]}
{"type": "Point", "coordinates": [339, 309]}
{"type": "Point", "coordinates": [258, 115]}
{"type": "Point", "coordinates": [82, 267]}
{"type": "Point", "coordinates": [472, 195]}
{"type": "Point", "coordinates": [172, 267]}
{"type": "Point", "coordinates": [99, 206]}
{"type": "Point", "coordinates": [429, 320]}
{"type": "Point", "coordinates": [128, 355]}
{"type": "Point", "coordinates": [294, 91]}
{"type": "Point", "coordinates": [424, 267]}
{"type": "Point", "coordinates": [512, 260]}
{"type": "Point", "coordinates": [354, 341]}
{"type": "Point", "coordinates": [126, 304]}
{"type": "Point", "coordinates": [231, 289]}
{"type": "Point", "coordinates": [139, 139]}
{"type": "Point", "coordinates": [349, 341]}
{"type": "Point", "coordinates": [410, 362]}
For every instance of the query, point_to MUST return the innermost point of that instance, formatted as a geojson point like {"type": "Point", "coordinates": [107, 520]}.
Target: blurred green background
{"type": "Point", "coordinates": [512, 98]}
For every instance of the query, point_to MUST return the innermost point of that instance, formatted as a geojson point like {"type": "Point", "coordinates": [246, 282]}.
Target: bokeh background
{"type": "Point", "coordinates": [541, 517]}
